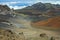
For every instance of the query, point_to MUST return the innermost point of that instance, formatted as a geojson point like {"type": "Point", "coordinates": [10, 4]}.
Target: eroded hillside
{"type": "Point", "coordinates": [51, 22]}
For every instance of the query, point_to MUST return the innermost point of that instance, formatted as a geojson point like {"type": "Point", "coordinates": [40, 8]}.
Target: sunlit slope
{"type": "Point", "coordinates": [51, 22]}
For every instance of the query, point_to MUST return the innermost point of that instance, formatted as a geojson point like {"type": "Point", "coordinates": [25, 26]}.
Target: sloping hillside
{"type": "Point", "coordinates": [41, 11]}
{"type": "Point", "coordinates": [39, 8]}
{"type": "Point", "coordinates": [5, 15]}
{"type": "Point", "coordinates": [4, 7]}
{"type": "Point", "coordinates": [51, 22]}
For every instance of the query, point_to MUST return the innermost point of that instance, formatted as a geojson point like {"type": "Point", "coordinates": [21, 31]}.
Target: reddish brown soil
{"type": "Point", "coordinates": [51, 22]}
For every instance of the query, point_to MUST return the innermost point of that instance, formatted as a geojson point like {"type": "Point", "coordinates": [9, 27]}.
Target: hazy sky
{"type": "Point", "coordinates": [18, 4]}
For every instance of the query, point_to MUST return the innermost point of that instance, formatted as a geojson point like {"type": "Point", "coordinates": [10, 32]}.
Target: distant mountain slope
{"type": "Point", "coordinates": [40, 11]}
{"type": "Point", "coordinates": [51, 22]}
{"type": "Point", "coordinates": [39, 8]}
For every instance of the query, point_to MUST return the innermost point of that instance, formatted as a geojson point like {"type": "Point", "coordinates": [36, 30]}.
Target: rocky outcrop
{"type": "Point", "coordinates": [5, 16]}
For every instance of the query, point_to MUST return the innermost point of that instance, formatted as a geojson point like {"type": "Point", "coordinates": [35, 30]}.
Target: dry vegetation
{"type": "Point", "coordinates": [10, 35]}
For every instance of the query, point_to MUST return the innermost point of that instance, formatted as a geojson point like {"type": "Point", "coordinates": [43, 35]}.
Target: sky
{"type": "Point", "coordinates": [19, 4]}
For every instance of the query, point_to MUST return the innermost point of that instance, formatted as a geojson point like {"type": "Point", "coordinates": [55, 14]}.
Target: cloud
{"type": "Point", "coordinates": [16, 4]}
{"type": "Point", "coordinates": [5, 3]}
{"type": "Point", "coordinates": [17, 7]}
